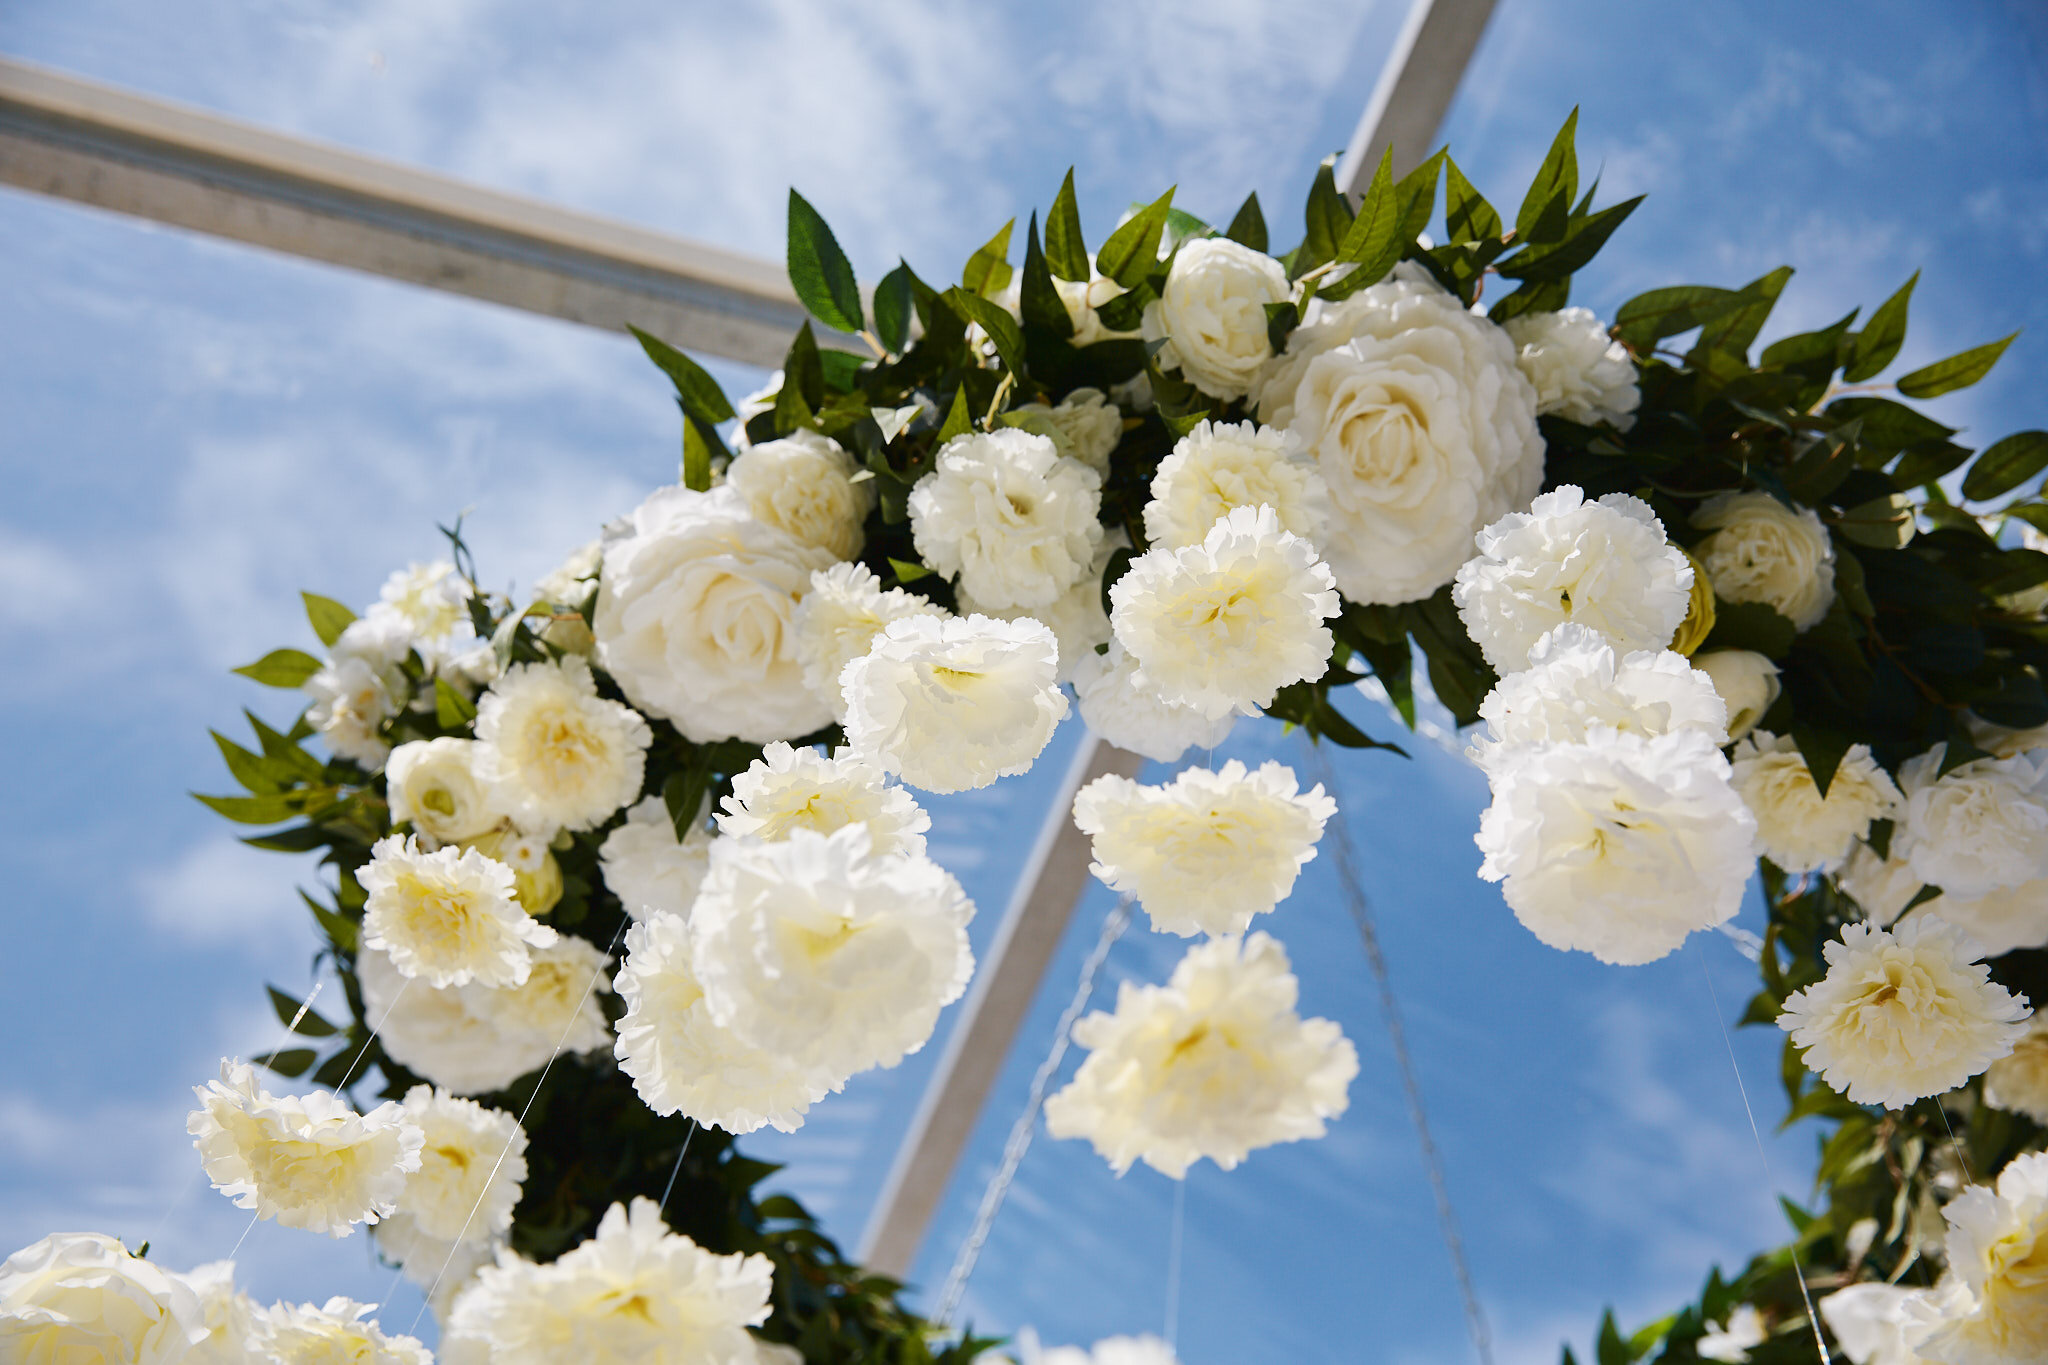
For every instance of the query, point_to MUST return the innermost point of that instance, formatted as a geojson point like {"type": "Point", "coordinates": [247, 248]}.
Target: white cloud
{"type": "Point", "coordinates": [225, 891]}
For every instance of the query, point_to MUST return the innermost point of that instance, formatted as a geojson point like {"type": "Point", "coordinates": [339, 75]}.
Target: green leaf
{"type": "Point", "coordinates": [700, 444]}
{"type": "Point", "coordinates": [1735, 329]}
{"type": "Point", "coordinates": [1467, 215]}
{"type": "Point", "coordinates": [819, 271]}
{"type": "Point", "coordinates": [297, 839]}
{"type": "Point", "coordinates": [698, 391]}
{"type": "Point", "coordinates": [1133, 249]}
{"type": "Point", "coordinates": [1065, 250]}
{"type": "Point", "coordinates": [451, 708]}
{"type": "Point", "coordinates": [894, 307]}
{"type": "Point", "coordinates": [1373, 241]}
{"type": "Point", "coordinates": [289, 1062]}
{"type": "Point", "coordinates": [1751, 625]}
{"type": "Point", "coordinates": [1822, 749]}
{"type": "Point", "coordinates": [1957, 372]}
{"type": "Point", "coordinates": [1328, 219]}
{"type": "Point", "coordinates": [1883, 523]}
{"type": "Point", "coordinates": [282, 668]}
{"type": "Point", "coordinates": [1557, 181]}
{"type": "Point", "coordinates": [1879, 341]}
{"type": "Point", "coordinates": [988, 269]}
{"type": "Point", "coordinates": [1648, 318]}
{"type": "Point", "coordinates": [341, 930]}
{"type": "Point", "coordinates": [683, 793]}
{"type": "Point", "coordinates": [310, 1024]}
{"type": "Point", "coordinates": [996, 321]}
{"type": "Point", "coordinates": [328, 617]}
{"type": "Point", "coordinates": [269, 809]}
{"type": "Point", "coordinates": [1248, 228]}
{"type": "Point", "coordinates": [2006, 465]}
{"type": "Point", "coordinates": [1119, 563]}
{"type": "Point", "coordinates": [1579, 245]}
{"type": "Point", "coordinates": [906, 571]}
{"type": "Point", "coordinates": [1037, 297]}
{"type": "Point", "coordinates": [1535, 296]}
{"type": "Point", "coordinates": [261, 775]}
{"type": "Point", "coordinates": [1609, 1348]}
{"type": "Point", "coordinates": [1415, 192]}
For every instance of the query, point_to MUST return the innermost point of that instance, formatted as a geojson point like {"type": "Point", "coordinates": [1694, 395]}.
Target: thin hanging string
{"type": "Point", "coordinates": [1812, 1318]}
{"type": "Point", "coordinates": [1174, 1247]}
{"type": "Point", "coordinates": [498, 1165]}
{"type": "Point", "coordinates": [1026, 1126]}
{"type": "Point", "coordinates": [1961, 1159]}
{"type": "Point", "coordinates": [1368, 933]}
{"type": "Point", "coordinates": [668, 1189]}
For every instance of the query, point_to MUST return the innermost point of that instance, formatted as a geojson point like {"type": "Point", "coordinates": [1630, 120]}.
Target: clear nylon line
{"type": "Point", "coordinates": [498, 1165]}
{"type": "Point", "coordinates": [1368, 933]}
{"type": "Point", "coordinates": [1961, 1159]}
{"type": "Point", "coordinates": [1174, 1250]}
{"type": "Point", "coordinates": [1820, 1341]}
{"type": "Point", "coordinates": [669, 1189]}
{"type": "Point", "coordinates": [1026, 1126]}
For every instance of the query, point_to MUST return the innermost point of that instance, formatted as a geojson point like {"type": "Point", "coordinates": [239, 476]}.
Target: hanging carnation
{"type": "Point", "coordinates": [1215, 1063]}
{"type": "Point", "coordinates": [339, 1330]}
{"type": "Point", "coordinates": [838, 620]}
{"type": "Point", "coordinates": [1223, 625]}
{"type": "Point", "coordinates": [1999, 921]}
{"type": "Point", "coordinates": [1603, 564]}
{"type": "Point", "coordinates": [1575, 682]}
{"type": "Point", "coordinates": [952, 704]}
{"type": "Point", "coordinates": [1992, 1307]}
{"type": "Point", "coordinates": [81, 1297]}
{"type": "Point", "coordinates": [1763, 551]}
{"type": "Point", "coordinates": [1217, 467]}
{"type": "Point", "coordinates": [1077, 619]}
{"type": "Point", "coordinates": [430, 598]}
{"type": "Point", "coordinates": [1208, 851]}
{"type": "Point", "coordinates": [449, 917]}
{"type": "Point", "coordinates": [1579, 372]}
{"type": "Point", "coordinates": [554, 753]}
{"type": "Point", "coordinates": [433, 784]}
{"type": "Point", "coordinates": [309, 1161]}
{"type": "Point", "coordinates": [634, 1294]}
{"type": "Point", "coordinates": [2019, 1082]}
{"type": "Point", "coordinates": [647, 867]}
{"type": "Point", "coordinates": [830, 958]}
{"type": "Point", "coordinates": [790, 789]}
{"type": "Point", "coordinates": [1136, 718]}
{"type": "Point", "coordinates": [472, 1164]}
{"type": "Point", "coordinates": [1732, 1342]}
{"type": "Point", "coordinates": [1881, 887]}
{"type": "Point", "coordinates": [1902, 1014]}
{"type": "Point", "coordinates": [1747, 681]}
{"type": "Point", "coordinates": [681, 1060]}
{"type": "Point", "coordinates": [803, 486]}
{"type": "Point", "coordinates": [1798, 829]}
{"type": "Point", "coordinates": [694, 618]}
{"type": "Point", "coordinates": [1621, 845]}
{"type": "Point", "coordinates": [1007, 514]}
{"type": "Point", "coordinates": [1981, 826]}
{"type": "Point", "coordinates": [1871, 1323]}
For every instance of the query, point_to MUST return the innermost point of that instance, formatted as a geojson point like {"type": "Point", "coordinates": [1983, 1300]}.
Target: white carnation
{"type": "Point", "coordinates": [1575, 682]}
{"type": "Point", "coordinates": [568, 583]}
{"type": "Point", "coordinates": [352, 698]}
{"type": "Point", "coordinates": [790, 789]}
{"type": "Point", "coordinates": [554, 753]}
{"type": "Point", "coordinates": [1881, 887]}
{"type": "Point", "coordinates": [1993, 1307]}
{"type": "Point", "coordinates": [693, 617]}
{"type": "Point", "coordinates": [227, 1314]}
{"type": "Point", "coordinates": [2019, 1082]}
{"type": "Point", "coordinates": [1619, 846]}
{"type": "Point", "coordinates": [2000, 920]}
{"type": "Point", "coordinates": [647, 867]}
{"type": "Point", "coordinates": [1423, 429]}
{"type": "Point", "coordinates": [1796, 828]}
{"type": "Point", "coordinates": [1603, 564]}
{"type": "Point", "coordinates": [381, 636]}
{"type": "Point", "coordinates": [826, 956]}
{"type": "Point", "coordinates": [80, 1297]}
{"type": "Point", "coordinates": [1217, 467]}
{"type": "Point", "coordinates": [1223, 625]}
{"type": "Point", "coordinates": [433, 784]}
{"type": "Point", "coordinates": [1746, 680]}
{"type": "Point", "coordinates": [1871, 1325]}
{"type": "Point", "coordinates": [1578, 371]}
{"type": "Point", "coordinates": [949, 705]}
{"type": "Point", "coordinates": [680, 1058]}
{"type": "Point", "coordinates": [1007, 514]}
{"type": "Point", "coordinates": [339, 1330]}
{"type": "Point", "coordinates": [1077, 618]}
{"type": "Point", "coordinates": [449, 917]}
{"type": "Point", "coordinates": [309, 1161]}
{"type": "Point", "coordinates": [1764, 551]}
{"type": "Point", "coordinates": [1215, 1063]}
{"type": "Point", "coordinates": [803, 485]}
{"type": "Point", "coordinates": [1979, 827]}
{"type": "Point", "coordinates": [1135, 718]}
{"type": "Point", "coordinates": [838, 620]}
{"type": "Point", "coordinates": [1091, 424]}
{"type": "Point", "coordinates": [1902, 1013]}
{"type": "Point", "coordinates": [472, 1164]}
{"type": "Point", "coordinates": [1208, 851]}
{"type": "Point", "coordinates": [1212, 315]}
{"type": "Point", "coordinates": [635, 1292]}
{"type": "Point", "coordinates": [430, 598]}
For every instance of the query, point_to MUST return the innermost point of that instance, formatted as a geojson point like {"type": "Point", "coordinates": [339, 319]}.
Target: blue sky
{"type": "Point", "coordinates": [195, 431]}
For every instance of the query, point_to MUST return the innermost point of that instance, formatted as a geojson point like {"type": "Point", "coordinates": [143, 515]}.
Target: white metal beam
{"type": "Point", "coordinates": [79, 140]}
{"type": "Point", "coordinates": [1415, 89]}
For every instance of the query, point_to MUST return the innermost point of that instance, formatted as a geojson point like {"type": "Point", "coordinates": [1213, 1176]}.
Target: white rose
{"type": "Point", "coordinates": [352, 698]}
{"type": "Point", "coordinates": [1212, 315]}
{"type": "Point", "coordinates": [1798, 829]}
{"type": "Point", "coordinates": [79, 1296]}
{"type": "Point", "coordinates": [693, 618]}
{"type": "Point", "coordinates": [432, 783]}
{"type": "Point", "coordinates": [803, 485]}
{"type": "Point", "coordinates": [1746, 680]}
{"type": "Point", "coordinates": [1981, 827]}
{"type": "Point", "coordinates": [1009, 515]}
{"type": "Point", "coordinates": [1422, 427]}
{"type": "Point", "coordinates": [1579, 371]}
{"type": "Point", "coordinates": [1763, 551]}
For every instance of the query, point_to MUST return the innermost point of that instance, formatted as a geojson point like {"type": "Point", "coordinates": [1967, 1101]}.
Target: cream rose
{"type": "Point", "coordinates": [1763, 551]}
{"type": "Point", "coordinates": [1212, 315]}
{"type": "Point", "coordinates": [79, 1296]}
{"type": "Point", "coordinates": [433, 784]}
{"type": "Point", "coordinates": [693, 618]}
{"type": "Point", "coordinates": [803, 484]}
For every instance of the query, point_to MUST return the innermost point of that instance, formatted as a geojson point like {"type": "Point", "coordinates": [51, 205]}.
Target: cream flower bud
{"type": "Point", "coordinates": [789, 789]}
{"type": "Point", "coordinates": [647, 867]}
{"type": "Point", "coordinates": [1747, 681]}
{"type": "Point", "coordinates": [79, 1296]}
{"type": "Point", "coordinates": [1764, 551]}
{"type": "Point", "coordinates": [1007, 514]}
{"type": "Point", "coordinates": [1212, 315]}
{"type": "Point", "coordinates": [570, 581]}
{"type": "Point", "coordinates": [1218, 467]}
{"type": "Point", "coordinates": [1798, 829]}
{"type": "Point", "coordinates": [803, 485]}
{"type": "Point", "coordinates": [451, 916]}
{"type": "Point", "coordinates": [433, 784]}
{"type": "Point", "coordinates": [2019, 1082]}
{"type": "Point", "coordinates": [553, 753]}
{"type": "Point", "coordinates": [1579, 371]}
{"type": "Point", "coordinates": [1980, 827]}
{"type": "Point", "coordinates": [1902, 1014]}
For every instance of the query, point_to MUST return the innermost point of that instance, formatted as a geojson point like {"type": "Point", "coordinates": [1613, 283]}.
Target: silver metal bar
{"type": "Point", "coordinates": [1048, 889]}
{"type": "Point", "coordinates": [1415, 89]}
{"type": "Point", "coordinates": [111, 148]}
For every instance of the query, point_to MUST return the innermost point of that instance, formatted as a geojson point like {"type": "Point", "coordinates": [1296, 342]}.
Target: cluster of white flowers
{"type": "Point", "coordinates": [1217, 468]}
